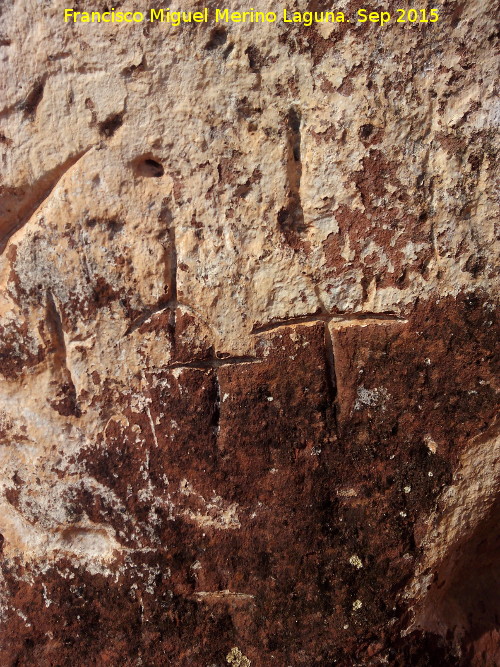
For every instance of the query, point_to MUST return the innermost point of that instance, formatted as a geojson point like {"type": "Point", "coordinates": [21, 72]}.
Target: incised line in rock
{"type": "Point", "coordinates": [150, 417]}
{"type": "Point", "coordinates": [170, 279]}
{"type": "Point", "coordinates": [331, 375]}
{"type": "Point", "coordinates": [346, 320]}
{"type": "Point", "coordinates": [38, 193]}
{"type": "Point", "coordinates": [291, 216]}
{"type": "Point", "coordinates": [139, 321]}
{"type": "Point", "coordinates": [216, 412]}
{"type": "Point", "coordinates": [54, 322]}
{"type": "Point", "coordinates": [29, 104]}
{"type": "Point", "coordinates": [223, 594]}
{"type": "Point", "coordinates": [203, 364]}
{"type": "Point", "coordinates": [215, 364]}
{"type": "Point", "coordinates": [159, 308]}
{"type": "Point", "coordinates": [171, 267]}
{"type": "Point", "coordinates": [151, 422]}
{"type": "Point", "coordinates": [352, 319]}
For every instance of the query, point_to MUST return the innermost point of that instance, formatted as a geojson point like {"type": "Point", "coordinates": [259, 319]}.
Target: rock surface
{"type": "Point", "coordinates": [247, 341]}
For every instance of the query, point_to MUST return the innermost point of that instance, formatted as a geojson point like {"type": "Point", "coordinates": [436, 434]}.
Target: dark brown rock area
{"type": "Point", "coordinates": [330, 490]}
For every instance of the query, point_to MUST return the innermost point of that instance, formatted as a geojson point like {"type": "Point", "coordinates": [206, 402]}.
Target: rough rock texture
{"type": "Point", "coordinates": [247, 341]}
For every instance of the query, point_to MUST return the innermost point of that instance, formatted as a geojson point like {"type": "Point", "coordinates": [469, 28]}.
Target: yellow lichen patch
{"type": "Point", "coordinates": [236, 658]}
{"type": "Point", "coordinates": [356, 561]}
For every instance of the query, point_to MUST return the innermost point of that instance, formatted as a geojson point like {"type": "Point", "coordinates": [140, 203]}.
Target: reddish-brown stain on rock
{"type": "Point", "coordinates": [262, 505]}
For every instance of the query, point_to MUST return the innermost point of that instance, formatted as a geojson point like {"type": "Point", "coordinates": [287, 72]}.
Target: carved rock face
{"type": "Point", "coordinates": [247, 344]}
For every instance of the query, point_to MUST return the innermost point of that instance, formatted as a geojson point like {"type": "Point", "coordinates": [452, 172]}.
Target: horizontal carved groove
{"type": "Point", "coordinates": [217, 595]}
{"type": "Point", "coordinates": [203, 364]}
{"type": "Point", "coordinates": [348, 318]}
{"type": "Point", "coordinates": [139, 321]}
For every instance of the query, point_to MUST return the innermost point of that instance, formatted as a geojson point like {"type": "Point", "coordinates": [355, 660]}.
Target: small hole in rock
{"type": "Point", "coordinates": [109, 126]}
{"type": "Point", "coordinates": [218, 37]}
{"type": "Point", "coordinates": [30, 104]}
{"type": "Point", "coordinates": [148, 167]}
{"type": "Point", "coordinates": [365, 131]}
{"type": "Point", "coordinates": [254, 58]}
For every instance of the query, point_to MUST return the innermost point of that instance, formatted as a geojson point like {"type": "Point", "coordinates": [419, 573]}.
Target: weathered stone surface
{"type": "Point", "coordinates": [248, 342]}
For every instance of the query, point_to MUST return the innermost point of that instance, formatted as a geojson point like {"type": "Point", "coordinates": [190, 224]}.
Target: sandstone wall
{"type": "Point", "coordinates": [247, 341]}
